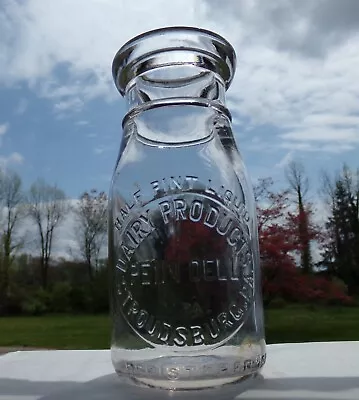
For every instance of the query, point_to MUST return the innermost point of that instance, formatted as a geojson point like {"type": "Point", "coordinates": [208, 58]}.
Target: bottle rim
{"type": "Point", "coordinates": [193, 46]}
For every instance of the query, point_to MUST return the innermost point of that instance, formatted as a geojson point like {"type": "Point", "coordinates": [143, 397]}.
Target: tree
{"type": "Point", "coordinates": [47, 208]}
{"type": "Point", "coordinates": [91, 228]}
{"type": "Point", "coordinates": [11, 198]}
{"type": "Point", "coordinates": [279, 242]}
{"type": "Point", "coordinates": [341, 250]}
{"type": "Point", "coordinates": [271, 206]}
{"type": "Point", "coordinates": [299, 184]}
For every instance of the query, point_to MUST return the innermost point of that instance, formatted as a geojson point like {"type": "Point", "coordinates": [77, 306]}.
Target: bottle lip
{"type": "Point", "coordinates": [155, 49]}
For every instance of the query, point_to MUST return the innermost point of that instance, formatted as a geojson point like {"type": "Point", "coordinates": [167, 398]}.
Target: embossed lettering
{"type": "Point", "coordinates": [140, 369]}
{"type": "Point", "coordinates": [118, 224]}
{"type": "Point", "coordinates": [173, 373]}
{"type": "Point", "coordinates": [147, 221]}
{"type": "Point", "coordinates": [134, 242]}
{"type": "Point", "coordinates": [190, 370]}
{"type": "Point", "coordinates": [121, 287]}
{"type": "Point", "coordinates": [151, 268]}
{"type": "Point", "coordinates": [236, 367]}
{"type": "Point", "coordinates": [245, 295]}
{"type": "Point", "coordinates": [127, 298]}
{"type": "Point", "coordinates": [191, 180]}
{"type": "Point", "coordinates": [181, 334]}
{"type": "Point", "coordinates": [223, 368]}
{"type": "Point", "coordinates": [124, 213]}
{"type": "Point", "coordinates": [213, 328]}
{"type": "Point", "coordinates": [136, 230]}
{"type": "Point", "coordinates": [223, 320]}
{"type": "Point", "coordinates": [209, 270]}
{"type": "Point", "coordinates": [157, 272]}
{"type": "Point", "coordinates": [134, 270]}
{"type": "Point", "coordinates": [152, 325]}
{"type": "Point", "coordinates": [233, 236]}
{"type": "Point", "coordinates": [208, 369]}
{"type": "Point", "coordinates": [245, 258]}
{"type": "Point", "coordinates": [219, 273]}
{"type": "Point", "coordinates": [145, 275]}
{"type": "Point", "coordinates": [121, 265]}
{"type": "Point", "coordinates": [137, 196]}
{"type": "Point", "coordinates": [129, 367]}
{"type": "Point", "coordinates": [133, 309]}
{"type": "Point", "coordinates": [180, 207]}
{"type": "Point", "coordinates": [174, 184]}
{"type": "Point", "coordinates": [155, 186]}
{"type": "Point", "coordinates": [227, 197]}
{"type": "Point", "coordinates": [235, 312]}
{"type": "Point", "coordinates": [211, 217]}
{"type": "Point", "coordinates": [165, 210]}
{"type": "Point", "coordinates": [141, 318]}
{"type": "Point", "coordinates": [152, 370]}
{"type": "Point", "coordinates": [165, 332]}
{"type": "Point", "coordinates": [223, 229]}
{"type": "Point", "coordinates": [126, 251]}
{"type": "Point", "coordinates": [197, 335]}
{"type": "Point", "coordinates": [209, 188]}
{"type": "Point", "coordinates": [194, 271]}
{"type": "Point", "coordinates": [220, 191]}
{"type": "Point", "coordinates": [247, 365]}
{"type": "Point", "coordinates": [196, 211]}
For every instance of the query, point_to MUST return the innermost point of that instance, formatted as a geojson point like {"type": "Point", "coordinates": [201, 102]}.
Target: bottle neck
{"type": "Point", "coordinates": [175, 82]}
{"type": "Point", "coordinates": [175, 121]}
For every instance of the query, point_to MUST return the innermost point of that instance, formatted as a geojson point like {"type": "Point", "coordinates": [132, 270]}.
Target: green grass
{"type": "Point", "coordinates": [290, 324]}
{"type": "Point", "coordinates": [308, 324]}
{"type": "Point", "coordinates": [56, 331]}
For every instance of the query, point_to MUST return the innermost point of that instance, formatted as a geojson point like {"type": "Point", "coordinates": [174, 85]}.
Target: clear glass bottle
{"type": "Point", "coordinates": [185, 281]}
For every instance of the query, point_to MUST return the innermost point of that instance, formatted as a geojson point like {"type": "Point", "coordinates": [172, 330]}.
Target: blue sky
{"type": "Point", "coordinates": [74, 150]}
{"type": "Point", "coordinates": [295, 94]}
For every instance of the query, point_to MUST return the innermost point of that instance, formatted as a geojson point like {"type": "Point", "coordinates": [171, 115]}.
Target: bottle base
{"type": "Point", "coordinates": [189, 371]}
{"type": "Point", "coordinates": [190, 385]}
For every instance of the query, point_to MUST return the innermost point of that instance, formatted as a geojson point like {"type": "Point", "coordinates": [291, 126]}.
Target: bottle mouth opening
{"type": "Point", "coordinates": [189, 49]}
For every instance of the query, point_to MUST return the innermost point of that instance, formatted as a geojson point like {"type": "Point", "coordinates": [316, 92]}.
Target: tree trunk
{"type": "Point", "coordinates": [44, 270]}
{"type": "Point", "coordinates": [304, 237]}
{"type": "Point", "coordinates": [90, 271]}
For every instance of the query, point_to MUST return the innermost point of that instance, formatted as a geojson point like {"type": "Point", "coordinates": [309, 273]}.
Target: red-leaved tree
{"type": "Point", "coordinates": [280, 245]}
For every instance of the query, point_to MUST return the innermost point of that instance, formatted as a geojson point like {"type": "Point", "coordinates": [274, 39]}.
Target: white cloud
{"type": "Point", "coordinates": [35, 41]}
{"type": "Point", "coordinates": [4, 128]}
{"type": "Point", "coordinates": [297, 62]}
{"type": "Point", "coordinates": [16, 158]}
{"type": "Point", "coordinates": [331, 120]}
{"type": "Point", "coordinates": [13, 158]}
{"type": "Point", "coordinates": [310, 147]}
{"type": "Point", "coordinates": [71, 104]}
{"type": "Point", "coordinates": [323, 135]}
{"type": "Point", "coordinates": [82, 122]}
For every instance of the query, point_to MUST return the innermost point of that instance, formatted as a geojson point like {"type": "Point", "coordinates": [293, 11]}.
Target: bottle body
{"type": "Point", "coordinates": [185, 282]}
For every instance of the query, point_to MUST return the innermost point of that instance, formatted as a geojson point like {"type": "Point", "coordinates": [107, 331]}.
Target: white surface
{"type": "Point", "coordinates": [315, 371]}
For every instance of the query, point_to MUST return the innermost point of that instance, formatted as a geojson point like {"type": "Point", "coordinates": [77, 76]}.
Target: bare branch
{"type": "Point", "coordinates": [47, 208]}
{"type": "Point", "coordinates": [298, 182]}
{"type": "Point", "coordinates": [11, 198]}
{"type": "Point", "coordinates": [91, 228]}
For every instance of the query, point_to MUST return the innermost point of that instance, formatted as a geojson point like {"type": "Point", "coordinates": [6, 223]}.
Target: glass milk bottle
{"type": "Point", "coordinates": [186, 299]}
